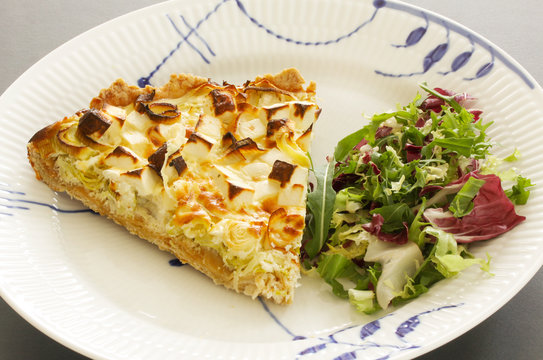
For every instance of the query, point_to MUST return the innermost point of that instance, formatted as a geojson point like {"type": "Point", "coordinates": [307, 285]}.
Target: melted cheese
{"type": "Point", "coordinates": [211, 181]}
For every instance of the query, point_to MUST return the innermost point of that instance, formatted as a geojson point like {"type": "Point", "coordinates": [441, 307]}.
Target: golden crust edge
{"type": "Point", "coordinates": [119, 93]}
{"type": "Point", "coordinates": [203, 259]}
{"type": "Point", "coordinates": [290, 80]}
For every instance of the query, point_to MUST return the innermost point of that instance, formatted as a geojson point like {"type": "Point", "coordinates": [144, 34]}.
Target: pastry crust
{"type": "Point", "coordinates": [203, 259]}
{"type": "Point", "coordinates": [44, 152]}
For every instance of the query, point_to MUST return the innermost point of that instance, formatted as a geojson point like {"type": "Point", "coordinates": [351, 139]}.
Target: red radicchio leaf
{"type": "Point", "coordinates": [360, 144]}
{"type": "Point", "coordinates": [374, 228]}
{"type": "Point", "coordinates": [420, 123]}
{"type": "Point", "coordinates": [461, 98]}
{"type": "Point", "coordinates": [382, 131]}
{"type": "Point", "coordinates": [473, 166]}
{"type": "Point", "coordinates": [412, 152]}
{"type": "Point", "coordinates": [428, 189]}
{"type": "Point", "coordinates": [434, 103]}
{"type": "Point", "coordinates": [366, 158]}
{"type": "Point", "coordinates": [476, 114]}
{"type": "Point", "coordinates": [374, 205]}
{"type": "Point", "coordinates": [493, 213]}
{"type": "Point", "coordinates": [344, 180]}
{"type": "Point", "coordinates": [375, 169]}
{"type": "Point", "coordinates": [444, 91]}
{"type": "Point", "coordinates": [428, 139]}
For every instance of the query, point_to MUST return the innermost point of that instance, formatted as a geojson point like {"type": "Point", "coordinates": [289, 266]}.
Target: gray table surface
{"type": "Point", "coordinates": [30, 29]}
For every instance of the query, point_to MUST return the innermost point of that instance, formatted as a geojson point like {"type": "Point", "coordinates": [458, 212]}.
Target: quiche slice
{"type": "Point", "coordinates": [215, 174]}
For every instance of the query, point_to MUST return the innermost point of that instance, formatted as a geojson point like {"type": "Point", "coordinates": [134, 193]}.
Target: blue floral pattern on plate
{"type": "Point", "coordinates": [358, 339]}
{"type": "Point", "coordinates": [433, 56]}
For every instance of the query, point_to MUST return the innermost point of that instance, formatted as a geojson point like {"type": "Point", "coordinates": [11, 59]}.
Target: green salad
{"type": "Point", "coordinates": [397, 207]}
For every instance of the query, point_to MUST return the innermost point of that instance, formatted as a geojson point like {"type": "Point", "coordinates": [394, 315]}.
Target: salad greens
{"type": "Point", "coordinates": [320, 204]}
{"type": "Point", "coordinates": [395, 210]}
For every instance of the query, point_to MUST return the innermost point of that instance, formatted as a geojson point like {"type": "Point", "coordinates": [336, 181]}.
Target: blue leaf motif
{"type": "Point", "coordinates": [346, 356]}
{"type": "Point", "coordinates": [415, 36]}
{"type": "Point", "coordinates": [144, 81]}
{"type": "Point", "coordinates": [407, 326]}
{"type": "Point", "coordinates": [379, 3]}
{"type": "Point", "coordinates": [32, 202]}
{"type": "Point", "coordinates": [175, 262]}
{"type": "Point", "coordinates": [484, 70]}
{"type": "Point", "coordinates": [313, 349]}
{"type": "Point", "coordinates": [434, 56]}
{"type": "Point", "coordinates": [461, 60]}
{"type": "Point", "coordinates": [369, 329]}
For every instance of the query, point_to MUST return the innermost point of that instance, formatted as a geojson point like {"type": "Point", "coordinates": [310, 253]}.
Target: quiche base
{"type": "Point", "coordinates": [276, 287]}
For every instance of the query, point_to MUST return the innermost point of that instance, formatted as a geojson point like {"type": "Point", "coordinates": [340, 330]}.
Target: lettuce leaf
{"type": "Point", "coordinates": [462, 203]}
{"type": "Point", "coordinates": [334, 267]}
{"type": "Point", "coordinates": [346, 144]}
{"type": "Point", "coordinates": [448, 255]}
{"type": "Point", "coordinates": [399, 262]}
{"type": "Point", "coordinates": [512, 157]}
{"type": "Point", "coordinates": [363, 301]}
{"type": "Point", "coordinates": [414, 232]}
{"type": "Point", "coordinates": [395, 216]}
{"type": "Point", "coordinates": [519, 193]}
{"type": "Point", "coordinates": [320, 204]}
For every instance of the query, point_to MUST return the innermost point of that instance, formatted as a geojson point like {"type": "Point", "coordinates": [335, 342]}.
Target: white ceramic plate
{"type": "Point", "coordinates": [90, 285]}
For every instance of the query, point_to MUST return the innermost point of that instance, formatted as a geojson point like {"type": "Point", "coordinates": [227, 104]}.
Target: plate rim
{"type": "Point", "coordinates": [45, 328]}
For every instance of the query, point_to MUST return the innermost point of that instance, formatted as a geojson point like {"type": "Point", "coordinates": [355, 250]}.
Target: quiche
{"type": "Point", "coordinates": [215, 174]}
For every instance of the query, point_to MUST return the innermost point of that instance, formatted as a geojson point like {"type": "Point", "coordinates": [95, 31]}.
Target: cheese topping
{"type": "Point", "coordinates": [226, 166]}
